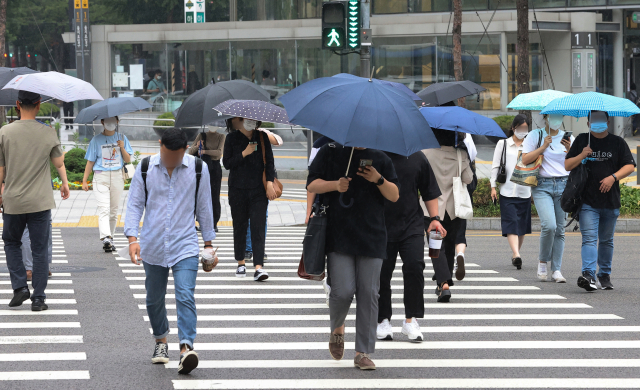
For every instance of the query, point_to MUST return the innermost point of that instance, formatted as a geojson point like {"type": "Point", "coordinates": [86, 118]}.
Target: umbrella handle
{"type": "Point", "coordinates": [346, 206]}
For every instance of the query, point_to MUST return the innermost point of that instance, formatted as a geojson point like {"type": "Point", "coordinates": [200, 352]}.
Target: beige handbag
{"type": "Point", "coordinates": [127, 171]}
{"type": "Point", "coordinates": [461, 198]}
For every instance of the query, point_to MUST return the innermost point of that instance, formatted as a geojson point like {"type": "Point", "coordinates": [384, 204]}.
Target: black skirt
{"type": "Point", "coordinates": [515, 214]}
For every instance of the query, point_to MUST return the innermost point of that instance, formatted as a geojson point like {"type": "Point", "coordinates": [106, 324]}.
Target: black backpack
{"type": "Point", "coordinates": [571, 200]}
{"type": "Point", "coordinates": [144, 167]}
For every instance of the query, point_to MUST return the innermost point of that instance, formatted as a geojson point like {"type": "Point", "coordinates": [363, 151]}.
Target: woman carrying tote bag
{"type": "Point", "coordinates": [450, 165]}
{"type": "Point", "coordinates": [515, 199]}
{"type": "Point", "coordinates": [552, 178]}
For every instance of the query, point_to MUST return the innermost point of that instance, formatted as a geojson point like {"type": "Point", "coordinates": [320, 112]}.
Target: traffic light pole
{"type": "Point", "coordinates": [365, 51]}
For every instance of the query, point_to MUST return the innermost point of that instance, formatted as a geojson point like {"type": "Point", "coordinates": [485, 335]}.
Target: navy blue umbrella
{"type": "Point", "coordinates": [360, 112]}
{"type": "Point", "coordinates": [253, 109]}
{"type": "Point", "coordinates": [460, 119]}
{"type": "Point", "coordinates": [399, 86]}
{"type": "Point", "coordinates": [110, 108]}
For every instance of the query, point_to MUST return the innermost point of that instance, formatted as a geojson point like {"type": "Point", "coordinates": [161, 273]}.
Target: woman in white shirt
{"type": "Point", "coordinates": [552, 179]}
{"type": "Point", "coordinates": [515, 200]}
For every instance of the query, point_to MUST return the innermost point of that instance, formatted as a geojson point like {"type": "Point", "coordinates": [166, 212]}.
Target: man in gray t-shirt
{"type": "Point", "coordinates": [26, 147]}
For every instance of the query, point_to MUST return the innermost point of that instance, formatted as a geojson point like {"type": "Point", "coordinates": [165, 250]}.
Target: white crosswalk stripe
{"type": "Point", "coordinates": [286, 313]}
{"type": "Point", "coordinates": [50, 334]}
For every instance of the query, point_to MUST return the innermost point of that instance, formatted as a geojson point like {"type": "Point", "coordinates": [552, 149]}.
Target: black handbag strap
{"type": "Point", "coordinates": [503, 159]}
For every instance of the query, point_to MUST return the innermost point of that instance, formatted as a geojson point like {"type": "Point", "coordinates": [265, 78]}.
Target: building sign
{"type": "Point", "coordinates": [353, 24]}
{"type": "Point", "coordinates": [590, 70]}
{"type": "Point", "coordinates": [82, 29]}
{"type": "Point", "coordinates": [576, 70]}
{"type": "Point", "coordinates": [583, 40]}
{"type": "Point", "coordinates": [194, 11]}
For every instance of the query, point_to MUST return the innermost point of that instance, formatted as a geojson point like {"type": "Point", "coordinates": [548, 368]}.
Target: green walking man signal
{"type": "Point", "coordinates": [341, 25]}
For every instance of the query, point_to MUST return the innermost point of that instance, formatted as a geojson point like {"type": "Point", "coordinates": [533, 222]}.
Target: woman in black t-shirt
{"type": "Point", "coordinates": [356, 238]}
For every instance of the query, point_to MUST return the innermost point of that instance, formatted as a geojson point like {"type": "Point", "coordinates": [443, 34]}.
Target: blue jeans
{"type": "Point", "coordinates": [249, 247]}
{"type": "Point", "coordinates": [597, 225]}
{"type": "Point", "coordinates": [184, 280]}
{"type": "Point", "coordinates": [552, 219]}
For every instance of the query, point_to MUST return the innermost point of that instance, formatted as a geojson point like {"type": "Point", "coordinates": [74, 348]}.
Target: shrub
{"type": "Point", "coordinates": [74, 161]}
{"type": "Point", "coordinates": [160, 122]}
{"type": "Point", "coordinates": [630, 201]}
{"type": "Point", "coordinates": [504, 121]}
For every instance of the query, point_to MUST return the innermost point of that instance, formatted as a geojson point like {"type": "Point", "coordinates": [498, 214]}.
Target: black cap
{"type": "Point", "coordinates": [27, 97]}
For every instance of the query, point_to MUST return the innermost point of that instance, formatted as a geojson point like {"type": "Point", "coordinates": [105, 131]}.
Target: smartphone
{"type": "Point", "coordinates": [567, 135]}
{"type": "Point", "coordinates": [365, 163]}
{"type": "Point", "coordinates": [255, 145]}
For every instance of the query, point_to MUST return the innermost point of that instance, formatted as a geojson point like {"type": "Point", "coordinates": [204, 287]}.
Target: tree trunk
{"type": "Point", "coordinates": [3, 61]}
{"type": "Point", "coordinates": [457, 44]}
{"type": "Point", "coordinates": [522, 51]}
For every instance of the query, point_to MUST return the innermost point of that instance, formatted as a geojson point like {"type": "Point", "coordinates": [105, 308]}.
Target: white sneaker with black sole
{"type": "Point", "coordinates": [557, 277]}
{"type": "Point", "coordinates": [384, 331]}
{"type": "Point", "coordinates": [188, 361]}
{"type": "Point", "coordinates": [260, 275]}
{"type": "Point", "coordinates": [107, 245]}
{"type": "Point", "coordinates": [160, 353]}
{"type": "Point", "coordinates": [241, 272]}
{"type": "Point", "coordinates": [412, 330]}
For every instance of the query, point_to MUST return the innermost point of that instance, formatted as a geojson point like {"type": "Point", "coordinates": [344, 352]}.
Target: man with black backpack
{"type": "Point", "coordinates": [607, 159]}
{"type": "Point", "coordinates": [170, 188]}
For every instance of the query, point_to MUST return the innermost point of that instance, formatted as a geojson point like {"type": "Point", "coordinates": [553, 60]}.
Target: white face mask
{"type": "Point", "coordinates": [110, 124]}
{"type": "Point", "coordinates": [555, 122]}
{"type": "Point", "coordinates": [521, 134]}
{"type": "Point", "coordinates": [159, 78]}
{"type": "Point", "coordinates": [250, 124]}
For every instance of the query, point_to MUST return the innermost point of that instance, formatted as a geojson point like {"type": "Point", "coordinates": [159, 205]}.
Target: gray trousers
{"type": "Point", "coordinates": [359, 276]}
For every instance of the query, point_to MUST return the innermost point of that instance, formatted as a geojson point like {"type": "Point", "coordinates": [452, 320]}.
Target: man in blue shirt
{"type": "Point", "coordinates": [169, 239]}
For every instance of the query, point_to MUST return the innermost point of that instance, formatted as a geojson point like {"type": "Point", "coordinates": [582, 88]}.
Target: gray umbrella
{"type": "Point", "coordinates": [110, 108]}
{"type": "Point", "coordinates": [197, 109]}
{"type": "Point", "coordinates": [441, 93]}
{"type": "Point", "coordinates": [253, 109]}
{"type": "Point", "coordinates": [8, 97]}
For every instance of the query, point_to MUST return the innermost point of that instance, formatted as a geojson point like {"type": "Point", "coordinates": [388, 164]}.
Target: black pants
{"type": "Point", "coordinates": [249, 204]}
{"type": "Point", "coordinates": [215, 177]}
{"type": "Point", "coordinates": [39, 224]}
{"type": "Point", "coordinates": [68, 111]}
{"type": "Point", "coordinates": [412, 253]}
{"type": "Point", "coordinates": [448, 250]}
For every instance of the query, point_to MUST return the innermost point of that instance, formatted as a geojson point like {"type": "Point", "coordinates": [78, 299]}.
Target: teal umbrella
{"type": "Point", "coordinates": [580, 104]}
{"type": "Point", "coordinates": [535, 101]}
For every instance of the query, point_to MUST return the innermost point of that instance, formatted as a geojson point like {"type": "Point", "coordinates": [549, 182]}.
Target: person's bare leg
{"type": "Point", "coordinates": [520, 241]}
{"type": "Point", "coordinates": [515, 243]}
{"type": "Point", "coordinates": [460, 248]}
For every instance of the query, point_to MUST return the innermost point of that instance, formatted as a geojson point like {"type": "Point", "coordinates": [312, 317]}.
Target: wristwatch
{"type": "Point", "coordinates": [436, 218]}
{"type": "Point", "coordinates": [381, 181]}
{"type": "Point", "coordinates": [615, 178]}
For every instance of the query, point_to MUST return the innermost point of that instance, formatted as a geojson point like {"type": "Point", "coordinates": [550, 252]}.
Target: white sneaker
{"type": "Point", "coordinates": [455, 266]}
{"type": "Point", "coordinates": [557, 276]}
{"type": "Point", "coordinates": [385, 331]}
{"type": "Point", "coordinates": [542, 271]}
{"type": "Point", "coordinates": [412, 330]}
{"type": "Point", "coordinates": [327, 290]}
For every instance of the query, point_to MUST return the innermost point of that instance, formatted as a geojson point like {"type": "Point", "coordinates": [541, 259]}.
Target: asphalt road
{"type": "Point", "coordinates": [511, 332]}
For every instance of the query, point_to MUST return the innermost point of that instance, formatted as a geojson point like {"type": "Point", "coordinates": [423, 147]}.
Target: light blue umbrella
{"type": "Point", "coordinates": [460, 119]}
{"type": "Point", "coordinates": [580, 104]}
{"type": "Point", "coordinates": [110, 108]}
{"type": "Point", "coordinates": [535, 101]}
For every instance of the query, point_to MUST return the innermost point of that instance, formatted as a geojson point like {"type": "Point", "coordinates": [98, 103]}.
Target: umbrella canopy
{"type": "Point", "coordinates": [8, 97]}
{"type": "Point", "coordinates": [110, 108]}
{"type": "Point", "coordinates": [399, 86]}
{"type": "Point", "coordinates": [441, 93]}
{"type": "Point", "coordinates": [460, 119]}
{"type": "Point", "coordinates": [361, 113]}
{"type": "Point", "coordinates": [580, 104]}
{"type": "Point", "coordinates": [535, 101]}
{"type": "Point", "coordinates": [253, 109]}
{"type": "Point", "coordinates": [57, 85]}
{"type": "Point", "coordinates": [197, 110]}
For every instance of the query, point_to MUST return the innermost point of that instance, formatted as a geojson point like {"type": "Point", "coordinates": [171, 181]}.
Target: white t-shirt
{"type": "Point", "coordinates": [471, 147]}
{"type": "Point", "coordinates": [553, 156]}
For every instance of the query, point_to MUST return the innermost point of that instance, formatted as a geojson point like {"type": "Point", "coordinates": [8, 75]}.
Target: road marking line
{"type": "Point", "coordinates": [323, 296]}
{"type": "Point", "coordinates": [48, 339]}
{"type": "Point", "coordinates": [28, 312]}
{"type": "Point", "coordinates": [19, 325]}
{"type": "Point", "coordinates": [431, 317]}
{"type": "Point", "coordinates": [232, 306]}
{"type": "Point", "coordinates": [43, 375]}
{"type": "Point", "coordinates": [315, 287]}
{"type": "Point", "coordinates": [32, 357]}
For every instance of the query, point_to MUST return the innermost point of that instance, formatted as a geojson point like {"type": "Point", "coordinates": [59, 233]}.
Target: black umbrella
{"type": "Point", "coordinates": [8, 97]}
{"type": "Point", "coordinates": [440, 93]}
{"type": "Point", "coordinates": [198, 111]}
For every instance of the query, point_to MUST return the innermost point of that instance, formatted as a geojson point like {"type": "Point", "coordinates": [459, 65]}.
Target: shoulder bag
{"type": "Point", "coordinates": [502, 169]}
{"type": "Point", "coordinates": [527, 175]}
{"type": "Point", "coordinates": [312, 263]}
{"type": "Point", "coordinates": [276, 183]}
{"type": "Point", "coordinates": [461, 198]}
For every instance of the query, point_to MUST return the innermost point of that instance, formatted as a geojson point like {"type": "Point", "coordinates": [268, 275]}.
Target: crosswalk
{"type": "Point", "coordinates": [495, 333]}
{"type": "Point", "coordinates": [38, 346]}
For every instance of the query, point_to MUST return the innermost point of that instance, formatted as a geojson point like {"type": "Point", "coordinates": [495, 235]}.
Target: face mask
{"type": "Point", "coordinates": [250, 124]}
{"type": "Point", "coordinates": [599, 127]}
{"type": "Point", "coordinates": [110, 124]}
{"type": "Point", "coordinates": [159, 78]}
{"type": "Point", "coordinates": [555, 123]}
{"type": "Point", "coordinates": [520, 134]}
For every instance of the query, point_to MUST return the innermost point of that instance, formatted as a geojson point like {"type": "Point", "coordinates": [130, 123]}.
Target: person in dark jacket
{"type": "Point", "coordinates": [248, 196]}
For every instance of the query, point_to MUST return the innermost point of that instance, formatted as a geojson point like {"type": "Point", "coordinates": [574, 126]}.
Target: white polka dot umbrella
{"type": "Point", "coordinates": [253, 109]}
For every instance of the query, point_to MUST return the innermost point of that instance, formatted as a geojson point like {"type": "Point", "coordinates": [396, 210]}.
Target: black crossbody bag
{"type": "Point", "coordinates": [502, 169]}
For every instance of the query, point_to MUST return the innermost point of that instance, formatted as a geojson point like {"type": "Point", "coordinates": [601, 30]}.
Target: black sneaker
{"type": "Point", "coordinates": [20, 295]}
{"type": "Point", "coordinates": [188, 361]}
{"type": "Point", "coordinates": [587, 282]}
{"type": "Point", "coordinates": [107, 245]}
{"type": "Point", "coordinates": [241, 272]}
{"type": "Point", "coordinates": [260, 275]}
{"type": "Point", "coordinates": [38, 305]}
{"type": "Point", "coordinates": [248, 256]}
{"type": "Point", "coordinates": [160, 353]}
{"type": "Point", "coordinates": [605, 282]}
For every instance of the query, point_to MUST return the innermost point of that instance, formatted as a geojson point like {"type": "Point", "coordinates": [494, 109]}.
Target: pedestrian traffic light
{"type": "Point", "coordinates": [334, 16]}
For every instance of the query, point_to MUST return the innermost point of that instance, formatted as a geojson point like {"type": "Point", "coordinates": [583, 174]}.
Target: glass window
{"type": "Point", "coordinates": [604, 63]}
{"type": "Point", "coordinates": [536, 62]}
{"type": "Point", "coordinates": [217, 11]}
{"type": "Point", "coordinates": [313, 62]}
{"type": "Point", "coordinates": [248, 9]}
{"type": "Point", "coordinates": [586, 3]}
{"type": "Point", "coordinates": [472, 5]}
{"type": "Point", "coordinates": [281, 9]}
{"type": "Point", "coordinates": [390, 6]}
{"type": "Point", "coordinates": [309, 9]}
{"type": "Point", "coordinates": [152, 57]}
{"type": "Point", "coordinates": [547, 3]}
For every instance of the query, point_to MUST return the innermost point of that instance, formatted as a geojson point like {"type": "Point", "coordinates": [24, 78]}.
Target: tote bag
{"type": "Point", "coordinates": [461, 198]}
{"type": "Point", "coordinates": [527, 175]}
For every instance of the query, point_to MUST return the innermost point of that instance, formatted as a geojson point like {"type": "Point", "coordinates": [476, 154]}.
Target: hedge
{"type": "Point", "coordinates": [160, 122]}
